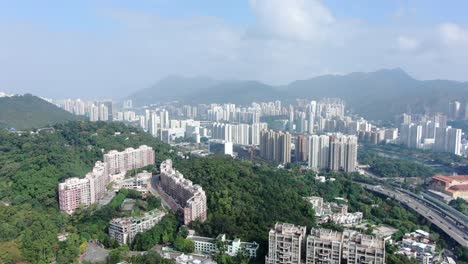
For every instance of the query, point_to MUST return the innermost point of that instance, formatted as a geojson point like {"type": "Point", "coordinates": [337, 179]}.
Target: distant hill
{"type": "Point", "coordinates": [375, 95]}
{"type": "Point", "coordinates": [28, 111]}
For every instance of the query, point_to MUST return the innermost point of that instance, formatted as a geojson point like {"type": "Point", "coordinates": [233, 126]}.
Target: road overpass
{"type": "Point", "coordinates": [438, 217]}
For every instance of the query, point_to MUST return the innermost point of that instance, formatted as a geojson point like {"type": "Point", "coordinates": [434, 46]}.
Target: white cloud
{"type": "Point", "coordinates": [453, 34]}
{"type": "Point", "coordinates": [407, 43]}
{"type": "Point", "coordinates": [293, 19]}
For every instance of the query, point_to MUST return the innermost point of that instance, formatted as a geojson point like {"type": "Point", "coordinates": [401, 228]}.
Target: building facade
{"type": "Point", "coordinates": [335, 152]}
{"type": "Point", "coordinates": [275, 146]}
{"type": "Point", "coordinates": [206, 245]}
{"type": "Point", "coordinates": [454, 186]}
{"type": "Point", "coordinates": [185, 196]}
{"type": "Point", "coordinates": [349, 246]}
{"type": "Point", "coordinates": [73, 193]}
{"type": "Point", "coordinates": [285, 244]}
{"type": "Point", "coordinates": [125, 229]}
{"type": "Point", "coordinates": [129, 159]}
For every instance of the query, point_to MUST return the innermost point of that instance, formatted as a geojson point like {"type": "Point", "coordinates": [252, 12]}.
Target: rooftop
{"type": "Point", "coordinates": [463, 187]}
{"type": "Point", "coordinates": [451, 178]}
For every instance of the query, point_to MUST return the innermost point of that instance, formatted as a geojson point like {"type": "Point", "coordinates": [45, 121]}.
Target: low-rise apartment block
{"type": "Point", "coordinates": [327, 246]}
{"type": "Point", "coordinates": [207, 245]}
{"type": "Point", "coordinates": [125, 229]}
{"type": "Point", "coordinates": [418, 245]}
{"type": "Point", "coordinates": [334, 212]}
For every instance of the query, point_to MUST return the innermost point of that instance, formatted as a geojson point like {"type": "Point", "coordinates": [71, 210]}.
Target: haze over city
{"type": "Point", "coordinates": [113, 48]}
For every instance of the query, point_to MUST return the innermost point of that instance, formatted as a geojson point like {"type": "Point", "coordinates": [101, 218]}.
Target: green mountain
{"type": "Point", "coordinates": [28, 111]}
{"type": "Point", "coordinates": [375, 95]}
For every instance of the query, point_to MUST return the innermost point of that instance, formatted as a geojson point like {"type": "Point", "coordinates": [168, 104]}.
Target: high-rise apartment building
{"type": "Point", "coordinates": [448, 139]}
{"type": "Point", "coordinates": [301, 148]}
{"type": "Point", "coordinates": [349, 246]}
{"type": "Point", "coordinates": [240, 134]}
{"type": "Point", "coordinates": [255, 130]}
{"type": "Point", "coordinates": [411, 135]}
{"type": "Point", "coordinates": [183, 195]}
{"type": "Point", "coordinates": [336, 152]}
{"type": "Point", "coordinates": [73, 193]}
{"type": "Point", "coordinates": [291, 119]}
{"type": "Point", "coordinates": [275, 146]}
{"type": "Point", "coordinates": [454, 109]}
{"type": "Point", "coordinates": [98, 180]}
{"type": "Point", "coordinates": [285, 244]}
{"type": "Point", "coordinates": [129, 159]}
{"type": "Point", "coordinates": [311, 110]}
{"type": "Point", "coordinates": [319, 152]}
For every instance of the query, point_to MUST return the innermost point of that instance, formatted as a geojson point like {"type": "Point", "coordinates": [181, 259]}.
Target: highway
{"type": "Point", "coordinates": [436, 216]}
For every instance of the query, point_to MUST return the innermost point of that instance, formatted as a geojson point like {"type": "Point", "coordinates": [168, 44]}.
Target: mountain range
{"type": "Point", "coordinates": [378, 95]}
{"type": "Point", "coordinates": [28, 111]}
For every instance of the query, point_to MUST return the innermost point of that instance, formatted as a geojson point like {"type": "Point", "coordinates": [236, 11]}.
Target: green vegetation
{"type": "Point", "coordinates": [397, 258]}
{"type": "Point", "coordinates": [270, 120]}
{"type": "Point", "coordinates": [31, 166]}
{"type": "Point", "coordinates": [28, 111]}
{"type": "Point", "coordinates": [445, 162]}
{"type": "Point", "coordinates": [462, 254]}
{"type": "Point", "coordinates": [245, 200]}
{"type": "Point", "coordinates": [393, 167]}
{"type": "Point", "coordinates": [150, 258]}
{"type": "Point", "coordinates": [460, 204]}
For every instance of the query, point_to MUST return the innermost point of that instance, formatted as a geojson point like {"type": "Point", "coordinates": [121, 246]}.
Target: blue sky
{"type": "Point", "coordinates": [111, 48]}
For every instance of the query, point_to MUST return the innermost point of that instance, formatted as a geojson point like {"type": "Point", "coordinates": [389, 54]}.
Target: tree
{"type": "Point", "coordinates": [118, 254]}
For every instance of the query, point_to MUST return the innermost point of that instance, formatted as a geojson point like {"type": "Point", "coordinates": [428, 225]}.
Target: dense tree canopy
{"type": "Point", "coordinates": [393, 167]}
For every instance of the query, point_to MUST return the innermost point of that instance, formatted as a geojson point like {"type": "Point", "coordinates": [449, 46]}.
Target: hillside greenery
{"type": "Point", "coordinates": [246, 200]}
{"type": "Point", "coordinates": [393, 167]}
{"type": "Point", "coordinates": [31, 166]}
{"type": "Point", "coordinates": [28, 111]}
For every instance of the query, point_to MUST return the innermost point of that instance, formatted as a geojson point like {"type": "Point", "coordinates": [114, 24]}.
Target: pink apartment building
{"type": "Point", "coordinates": [187, 197]}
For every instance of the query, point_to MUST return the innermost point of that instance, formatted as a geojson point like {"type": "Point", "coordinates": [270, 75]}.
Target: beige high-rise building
{"type": "Point", "coordinates": [275, 146]}
{"type": "Point", "coordinates": [343, 153]}
{"type": "Point", "coordinates": [285, 244]}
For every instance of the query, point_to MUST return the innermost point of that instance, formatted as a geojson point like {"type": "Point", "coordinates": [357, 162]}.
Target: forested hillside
{"type": "Point", "coordinates": [31, 166]}
{"type": "Point", "coordinates": [28, 111]}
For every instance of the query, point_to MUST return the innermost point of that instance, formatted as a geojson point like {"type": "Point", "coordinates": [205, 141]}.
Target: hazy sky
{"type": "Point", "coordinates": [91, 48]}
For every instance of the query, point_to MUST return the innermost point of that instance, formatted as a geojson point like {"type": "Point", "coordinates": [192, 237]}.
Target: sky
{"type": "Point", "coordinates": [109, 49]}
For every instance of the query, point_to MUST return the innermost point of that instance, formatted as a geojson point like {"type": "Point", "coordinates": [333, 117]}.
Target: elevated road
{"type": "Point", "coordinates": [439, 217]}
